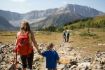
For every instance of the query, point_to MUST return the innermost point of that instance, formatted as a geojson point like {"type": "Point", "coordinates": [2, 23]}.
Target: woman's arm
{"type": "Point", "coordinates": [34, 42]}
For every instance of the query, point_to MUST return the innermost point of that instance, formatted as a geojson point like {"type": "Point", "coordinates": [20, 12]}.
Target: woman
{"type": "Point", "coordinates": [24, 45]}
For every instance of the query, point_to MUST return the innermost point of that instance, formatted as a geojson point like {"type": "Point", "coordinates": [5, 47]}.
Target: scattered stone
{"type": "Point", "coordinates": [70, 59]}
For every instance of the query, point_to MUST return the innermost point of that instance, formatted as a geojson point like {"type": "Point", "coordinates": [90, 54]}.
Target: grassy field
{"type": "Point", "coordinates": [89, 44]}
{"type": "Point", "coordinates": [41, 37]}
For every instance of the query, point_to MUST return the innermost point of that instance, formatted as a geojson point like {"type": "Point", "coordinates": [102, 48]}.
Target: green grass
{"type": "Point", "coordinates": [96, 22]}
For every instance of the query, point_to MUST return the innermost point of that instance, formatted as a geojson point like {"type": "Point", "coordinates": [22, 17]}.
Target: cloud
{"type": "Point", "coordinates": [18, 0]}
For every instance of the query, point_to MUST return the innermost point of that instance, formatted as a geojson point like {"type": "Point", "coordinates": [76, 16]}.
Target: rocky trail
{"type": "Point", "coordinates": [70, 58]}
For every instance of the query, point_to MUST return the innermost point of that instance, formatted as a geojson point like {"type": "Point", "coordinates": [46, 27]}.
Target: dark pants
{"type": "Point", "coordinates": [27, 60]}
{"type": "Point", "coordinates": [64, 39]}
{"type": "Point", "coordinates": [67, 39]}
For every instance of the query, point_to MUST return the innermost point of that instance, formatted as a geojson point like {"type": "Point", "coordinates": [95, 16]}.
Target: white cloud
{"type": "Point", "coordinates": [19, 0]}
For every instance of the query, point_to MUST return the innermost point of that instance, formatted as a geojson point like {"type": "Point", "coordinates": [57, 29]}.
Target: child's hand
{"type": "Point", "coordinates": [39, 52]}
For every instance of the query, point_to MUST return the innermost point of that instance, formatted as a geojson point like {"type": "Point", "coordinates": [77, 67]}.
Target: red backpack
{"type": "Point", "coordinates": [23, 46]}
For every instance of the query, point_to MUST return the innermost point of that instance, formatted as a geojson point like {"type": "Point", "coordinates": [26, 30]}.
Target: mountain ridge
{"type": "Point", "coordinates": [5, 25]}
{"type": "Point", "coordinates": [36, 16]}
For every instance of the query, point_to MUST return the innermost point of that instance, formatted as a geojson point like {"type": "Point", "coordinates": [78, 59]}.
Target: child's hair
{"type": "Point", "coordinates": [50, 46]}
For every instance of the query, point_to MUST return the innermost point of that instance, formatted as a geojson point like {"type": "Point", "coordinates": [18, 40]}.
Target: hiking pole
{"type": "Point", "coordinates": [16, 61]}
{"type": "Point", "coordinates": [14, 65]}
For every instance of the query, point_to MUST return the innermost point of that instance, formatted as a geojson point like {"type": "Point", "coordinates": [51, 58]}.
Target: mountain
{"type": "Point", "coordinates": [56, 16]}
{"type": "Point", "coordinates": [95, 22]}
{"type": "Point", "coordinates": [10, 16]}
{"type": "Point", "coordinates": [5, 25]}
{"type": "Point", "coordinates": [67, 14]}
{"type": "Point", "coordinates": [56, 20]}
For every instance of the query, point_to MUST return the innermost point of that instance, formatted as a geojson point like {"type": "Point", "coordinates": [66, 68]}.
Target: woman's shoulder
{"type": "Point", "coordinates": [18, 33]}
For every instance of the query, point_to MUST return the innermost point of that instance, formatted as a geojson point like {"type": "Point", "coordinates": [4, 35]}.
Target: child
{"type": "Point", "coordinates": [51, 57]}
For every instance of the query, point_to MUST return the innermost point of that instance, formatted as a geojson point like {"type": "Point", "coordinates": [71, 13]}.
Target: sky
{"type": "Point", "coordinates": [24, 6]}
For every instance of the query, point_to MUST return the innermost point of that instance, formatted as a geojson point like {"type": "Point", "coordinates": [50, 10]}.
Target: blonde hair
{"type": "Point", "coordinates": [25, 26]}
